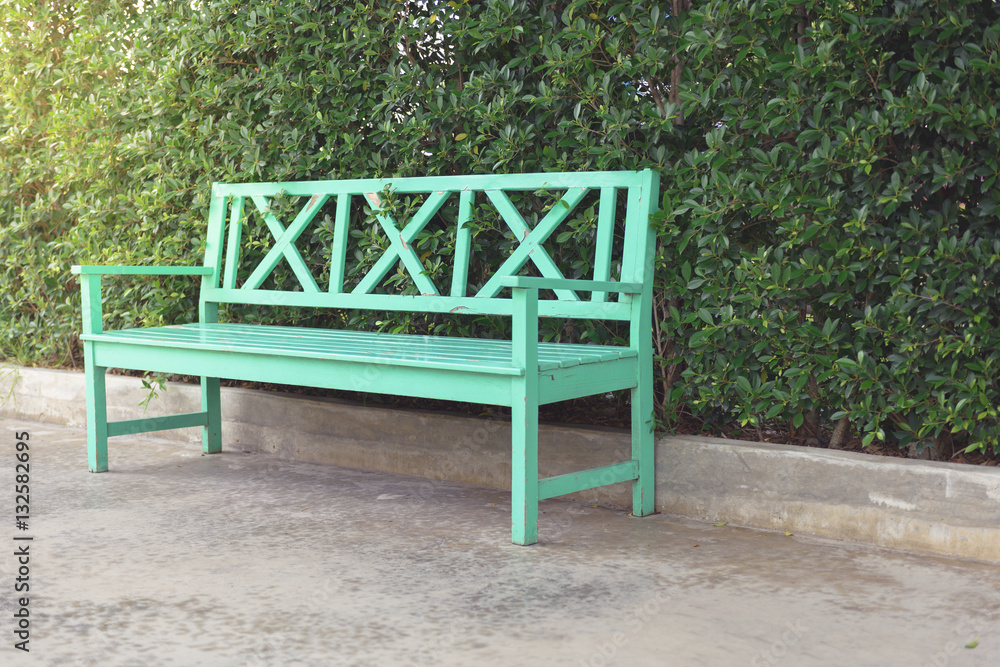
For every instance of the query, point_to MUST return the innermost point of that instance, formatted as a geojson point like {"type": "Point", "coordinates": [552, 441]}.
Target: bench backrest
{"type": "Point", "coordinates": [620, 230]}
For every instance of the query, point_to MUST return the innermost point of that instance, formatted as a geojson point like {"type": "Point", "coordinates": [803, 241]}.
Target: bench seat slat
{"type": "Point", "coordinates": [357, 347]}
{"type": "Point", "coordinates": [294, 337]}
{"type": "Point", "coordinates": [490, 348]}
{"type": "Point", "coordinates": [480, 355]}
{"type": "Point", "coordinates": [150, 338]}
{"type": "Point", "coordinates": [387, 346]}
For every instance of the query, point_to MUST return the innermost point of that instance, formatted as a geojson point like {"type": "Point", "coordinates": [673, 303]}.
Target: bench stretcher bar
{"type": "Point", "coordinates": [164, 423]}
{"type": "Point", "coordinates": [560, 485]}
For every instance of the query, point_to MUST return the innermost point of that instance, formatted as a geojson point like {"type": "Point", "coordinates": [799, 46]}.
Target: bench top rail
{"type": "Point", "coordinates": [395, 273]}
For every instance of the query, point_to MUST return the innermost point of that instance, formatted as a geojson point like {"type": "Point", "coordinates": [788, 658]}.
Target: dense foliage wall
{"type": "Point", "coordinates": [841, 236]}
{"type": "Point", "coordinates": [829, 235]}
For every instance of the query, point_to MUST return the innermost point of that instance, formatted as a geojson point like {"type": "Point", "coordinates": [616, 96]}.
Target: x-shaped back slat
{"type": "Point", "coordinates": [399, 244]}
{"type": "Point", "coordinates": [284, 245]}
{"type": "Point", "coordinates": [531, 240]}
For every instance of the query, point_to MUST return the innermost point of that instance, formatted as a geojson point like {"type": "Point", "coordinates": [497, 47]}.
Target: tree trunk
{"type": "Point", "coordinates": [840, 432]}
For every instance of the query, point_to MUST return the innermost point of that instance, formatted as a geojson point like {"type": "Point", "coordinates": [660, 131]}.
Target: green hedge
{"type": "Point", "coordinates": [829, 238]}
{"type": "Point", "coordinates": [838, 251]}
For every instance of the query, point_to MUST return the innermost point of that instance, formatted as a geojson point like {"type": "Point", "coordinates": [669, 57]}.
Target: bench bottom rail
{"type": "Point", "coordinates": [164, 423]}
{"type": "Point", "coordinates": [560, 485]}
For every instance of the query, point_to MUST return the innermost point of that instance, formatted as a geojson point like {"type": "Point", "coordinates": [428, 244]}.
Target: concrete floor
{"type": "Point", "coordinates": [174, 558]}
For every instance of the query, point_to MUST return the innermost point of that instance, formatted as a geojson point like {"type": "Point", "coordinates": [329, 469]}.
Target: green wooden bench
{"type": "Point", "coordinates": [521, 373]}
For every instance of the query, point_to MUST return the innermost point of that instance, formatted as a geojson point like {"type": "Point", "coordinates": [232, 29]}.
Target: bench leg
{"type": "Point", "coordinates": [211, 433]}
{"type": "Point", "coordinates": [643, 453]}
{"type": "Point", "coordinates": [97, 413]}
{"type": "Point", "coordinates": [524, 469]}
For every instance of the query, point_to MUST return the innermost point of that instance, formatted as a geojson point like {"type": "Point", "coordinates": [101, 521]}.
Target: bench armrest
{"type": "Point", "coordinates": [528, 282]}
{"type": "Point", "coordinates": [90, 285]}
{"type": "Point", "coordinates": [141, 270]}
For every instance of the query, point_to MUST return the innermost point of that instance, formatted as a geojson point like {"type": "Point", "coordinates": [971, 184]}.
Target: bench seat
{"type": "Point", "coordinates": [439, 367]}
{"type": "Point", "coordinates": [445, 352]}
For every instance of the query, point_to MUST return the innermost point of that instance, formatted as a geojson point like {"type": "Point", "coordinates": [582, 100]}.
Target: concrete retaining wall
{"type": "Point", "coordinates": [922, 506]}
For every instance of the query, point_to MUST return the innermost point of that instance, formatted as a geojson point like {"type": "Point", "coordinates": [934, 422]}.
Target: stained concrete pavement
{"type": "Point", "coordinates": [174, 558]}
{"type": "Point", "coordinates": [945, 509]}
